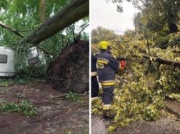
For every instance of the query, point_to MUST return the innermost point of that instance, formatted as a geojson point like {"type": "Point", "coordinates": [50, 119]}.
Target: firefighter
{"type": "Point", "coordinates": [108, 67]}
{"type": "Point", "coordinates": [94, 81]}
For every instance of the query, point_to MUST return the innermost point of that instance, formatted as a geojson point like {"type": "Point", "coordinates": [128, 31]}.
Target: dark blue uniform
{"type": "Point", "coordinates": [107, 68]}
{"type": "Point", "coordinates": [94, 82]}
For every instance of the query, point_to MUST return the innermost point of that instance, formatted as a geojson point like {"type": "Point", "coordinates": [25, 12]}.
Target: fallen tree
{"type": "Point", "coordinates": [72, 12]}
{"type": "Point", "coordinates": [69, 72]}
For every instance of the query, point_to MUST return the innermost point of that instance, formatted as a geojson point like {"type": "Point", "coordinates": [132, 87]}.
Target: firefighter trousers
{"type": "Point", "coordinates": [94, 86]}
{"type": "Point", "coordinates": [108, 95]}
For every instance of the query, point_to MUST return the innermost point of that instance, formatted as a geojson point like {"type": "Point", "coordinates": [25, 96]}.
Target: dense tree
{"type": "Point", "coordinates": [102, 34]}
{"type": "Point", "coordinates": [161, 15]}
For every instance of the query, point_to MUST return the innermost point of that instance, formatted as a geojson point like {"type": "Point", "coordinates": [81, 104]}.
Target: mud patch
{"type": "Point", "coordinates": [55, 114]}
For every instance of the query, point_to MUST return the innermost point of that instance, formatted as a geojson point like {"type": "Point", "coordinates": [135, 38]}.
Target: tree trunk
{"type": "Point", "coordinates": [72, 12]}
{"type": "Point", "coordinates": [42, 11]}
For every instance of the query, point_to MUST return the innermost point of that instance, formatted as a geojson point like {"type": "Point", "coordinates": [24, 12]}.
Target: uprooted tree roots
{"type": "Point", "coordinates": [70, 71]}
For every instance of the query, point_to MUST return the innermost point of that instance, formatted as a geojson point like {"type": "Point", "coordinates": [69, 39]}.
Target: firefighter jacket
{"type": "Point", "coordinates": [107, 68]}
{"type": "Point", "coordinates": [93, 65]}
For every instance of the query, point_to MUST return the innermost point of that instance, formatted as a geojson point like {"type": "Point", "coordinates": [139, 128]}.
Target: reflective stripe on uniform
{"type": "Point", "coordinates": [93, 73]}
{"type": "Point", "coordinates": [107, 83]}
{"type": "Point", "coordinates": [106, 107]}
{"type": "Point", "coordinates": [94, 98]}
{"type": "Point", "coordinates": [103, 60]}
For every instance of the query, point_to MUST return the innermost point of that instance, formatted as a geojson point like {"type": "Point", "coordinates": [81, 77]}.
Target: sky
{"type": "Point", "coordinates": [104, 13]}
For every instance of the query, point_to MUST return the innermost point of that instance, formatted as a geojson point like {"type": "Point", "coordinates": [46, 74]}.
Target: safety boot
{"type": "Point", "coordinates": [107, 113]}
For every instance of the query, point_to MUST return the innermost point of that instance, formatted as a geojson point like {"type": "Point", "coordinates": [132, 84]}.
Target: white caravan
{"type": "Point", "coordinates": [6, 61]}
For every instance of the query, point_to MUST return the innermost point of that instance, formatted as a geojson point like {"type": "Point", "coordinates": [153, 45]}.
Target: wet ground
{"type": "Point", "coordinates": [58, 115]}
{"type": "Point", "coordinates": [55, 113]}
{"type": "Point", "coordinates": [168, 124]}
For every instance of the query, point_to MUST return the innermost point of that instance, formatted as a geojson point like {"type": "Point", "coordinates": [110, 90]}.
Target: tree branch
{"type": "Point", "coordinates": [72, 12]}
{"type": "Point", "coordinates": [44, 50]}
{"type": "Point", "coordinates": [11, 29]}
{"type": "Point", "coordinates": [162, 61]}
{"type": "Point", "coordinates": [83, 29]}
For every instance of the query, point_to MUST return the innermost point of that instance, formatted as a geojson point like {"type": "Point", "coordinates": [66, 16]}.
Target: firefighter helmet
{"type": "Point", "coordinates": [104, 45]}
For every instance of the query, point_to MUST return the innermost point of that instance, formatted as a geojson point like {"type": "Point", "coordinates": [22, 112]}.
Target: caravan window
{"type": "Point", "coordinates": [3, 58]}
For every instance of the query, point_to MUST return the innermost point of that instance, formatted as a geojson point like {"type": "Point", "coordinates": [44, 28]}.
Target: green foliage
{"type": "Point", "coordinates": [151, 113]}
{"type": "Point", "coordinates": [32, 71]}
{"type": "Point", "coordinates": [163, 42]}
{"type": "Point", "coordinates": [141, 89]}
{"type": "Point", "coordinates": [74, 96]}
{"type": "Point", "coordinates": [159, 16]}
{"type": "Point", "coordinates": [27, 108]}
{"type": "Point", "coordinates": [24, 107]}
{"type": "Point", "coordinates": [174, 96]}
{"type": "Point", "coordinates": [135, 100]}
{"type": "Point", "coordinates": [97, 106]}
{"type": "Point", "coordinates": [3, 4]}
{"type": "Point", "coordinates": [19, 80]}
{"type": "Point", "coordinates": [4, 83]}
{"type": "Point", "coordinates": [101, 33]}
{"type": "Point", "coordinates": [174, 40]}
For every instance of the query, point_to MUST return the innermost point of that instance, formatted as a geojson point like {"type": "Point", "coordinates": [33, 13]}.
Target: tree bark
{"type": "Point", "coordinates": [72, 12]}
{"type": "Point", "coordinates": [42, 11]}
{"type": "Point", "coordinates": [163, 61]}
